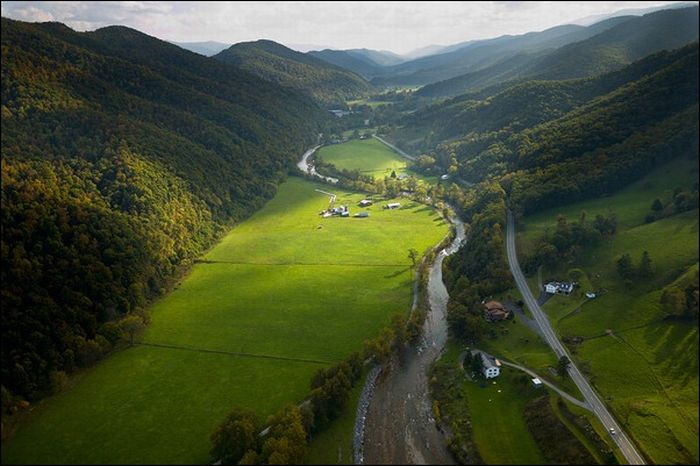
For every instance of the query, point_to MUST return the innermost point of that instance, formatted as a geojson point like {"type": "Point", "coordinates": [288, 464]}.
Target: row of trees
{"type": "Point", "coordinates": [238, 439]}
{"type": "Point", "coordinates": [241, 439]}
{"type": "Point", "coordinates": [627, 270]}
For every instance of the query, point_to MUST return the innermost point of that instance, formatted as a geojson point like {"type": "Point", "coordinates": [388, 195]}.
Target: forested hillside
{"type": "Point", "coordinates": [123, 158]}
{"type": "Point", "coordinates": [482, 55]}
{"type": "Point", "coordinates": [621, 133]}
{"type": "Point", "coordinates": [528, 104]}
{"type": "Point", "coordinates": [326, 83]}
{"type": "Point", "coordinates": [607, 46]}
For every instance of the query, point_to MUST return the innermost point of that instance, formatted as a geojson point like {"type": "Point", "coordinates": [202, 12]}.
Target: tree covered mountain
{"type": "Point", "coordinates": [365, 62]}
{"type": "Point", "coordinates": [605, 46]}
{"type": "Point", "coordinates": [541, 138]}
{"type": "Point", "coordinates": [328, 84]}
{"type": "Point", "coordinates": [482, 54]}
{"type": "Point", "coordinates": [519, 106]}
{"type": "Point", "coordinates": [123, 158]}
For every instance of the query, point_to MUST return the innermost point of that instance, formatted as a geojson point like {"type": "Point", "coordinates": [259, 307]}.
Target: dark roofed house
{"type": "Point", "coordinates": [491, 367]}
{"type": "Point", "coordinates": [494, 311]}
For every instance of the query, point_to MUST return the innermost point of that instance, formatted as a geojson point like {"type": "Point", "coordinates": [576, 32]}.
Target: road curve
{"type": "Point", "coordinates": [592, 399]}
{"type": "Point", "coordinates": [580, 403]}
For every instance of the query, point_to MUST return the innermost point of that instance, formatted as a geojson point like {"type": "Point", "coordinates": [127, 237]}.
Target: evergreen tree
{"type": "Point", "coordinates": [645, 265]}
{"type": "Point", "coordinates": [625, 268]}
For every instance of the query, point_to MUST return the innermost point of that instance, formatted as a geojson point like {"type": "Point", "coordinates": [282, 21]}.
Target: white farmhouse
{"type": "Point", "coordinates": [491, 366]}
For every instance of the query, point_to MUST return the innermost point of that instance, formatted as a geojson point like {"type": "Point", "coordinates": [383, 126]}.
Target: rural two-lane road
{"type": "Point", "coordinates": [592, 399]}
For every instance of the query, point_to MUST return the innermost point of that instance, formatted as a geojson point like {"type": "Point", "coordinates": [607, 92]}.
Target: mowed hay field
{"type": "Point", "coordinates": [645, 366]}
{"type": "Point", "coordinates": [284, 294]}
{"type": "Point", "coordinates": [369, 156]}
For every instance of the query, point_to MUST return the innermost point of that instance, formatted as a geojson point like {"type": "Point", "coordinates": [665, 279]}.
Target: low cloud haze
{"type": "Point", "coordinates": [396, 26]}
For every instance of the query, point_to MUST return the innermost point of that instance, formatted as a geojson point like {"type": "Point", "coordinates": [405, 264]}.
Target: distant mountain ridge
{"type": "Point", "coordinates": [476, 55]}
{"type": "Point", "coordinates": [618, 41]}
{"type": "Point", "coordinates": [328, 84]}
{"type": "Point", "coordinates": [206, 48]}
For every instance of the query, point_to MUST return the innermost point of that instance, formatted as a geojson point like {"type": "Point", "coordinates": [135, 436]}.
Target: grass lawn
{"type": "Point", "coordinates": [496, 411]}
{"type": "Point", "coordinates": [284, 294]}
{"type": "Point", "coordinates": [645, 366]}
{"type": "Point", "coordinates": [369, 156]}
{"type": "Point", "coordinates": [371, 103]}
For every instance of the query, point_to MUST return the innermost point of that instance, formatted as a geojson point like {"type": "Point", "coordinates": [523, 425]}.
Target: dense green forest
{"type": "Point", "coordinates": [123, 158]}
{"type": "Point", "coordinates": [520, 106]}
{"type": "Point", "coordinates": [551, 143]}
{"type": "Point", "coordinates": [328, 84]}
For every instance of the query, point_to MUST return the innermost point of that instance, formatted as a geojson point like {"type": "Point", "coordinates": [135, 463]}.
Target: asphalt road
{"type": "Point", "coordinates": [592, 399]}
{"type": "Point", "coordinates": [400, 152]}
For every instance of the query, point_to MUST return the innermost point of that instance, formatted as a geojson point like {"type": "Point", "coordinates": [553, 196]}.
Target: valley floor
{"type": "Point", "coordinates": [285, 293]}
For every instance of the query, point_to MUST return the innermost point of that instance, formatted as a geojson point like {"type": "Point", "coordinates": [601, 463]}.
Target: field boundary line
{"type": "Point", "coordinates": [207, 261]}
{"type": "Point", "coordinates": [238, 354]}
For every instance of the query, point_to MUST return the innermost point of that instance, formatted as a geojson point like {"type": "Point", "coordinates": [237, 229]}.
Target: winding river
{"type": "Point", "coordinates": [399, 427]}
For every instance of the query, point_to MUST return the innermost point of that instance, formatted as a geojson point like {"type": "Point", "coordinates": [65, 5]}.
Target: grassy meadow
{"type": "Point", "coordinates": [283, 294]}
{"type": "Point", "coordinates": [369, 156]}
{"type": "Point", "coordinates": [644, 365]}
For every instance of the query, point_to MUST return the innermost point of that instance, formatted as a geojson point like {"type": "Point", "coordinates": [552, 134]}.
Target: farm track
{"type": "Point", "coordinates": [236, 354]}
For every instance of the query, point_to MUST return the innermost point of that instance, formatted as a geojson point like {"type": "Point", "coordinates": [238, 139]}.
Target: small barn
{"type": "Point", "coordinates": [393, 205]}
{"type": "Point", "coordinates": [365, 202]}
{"type": "Point", "coordinates": [494, 311]}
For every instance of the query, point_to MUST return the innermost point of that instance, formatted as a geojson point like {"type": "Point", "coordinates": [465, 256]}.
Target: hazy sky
{"type": "Point", "coordinates": [396, 26]}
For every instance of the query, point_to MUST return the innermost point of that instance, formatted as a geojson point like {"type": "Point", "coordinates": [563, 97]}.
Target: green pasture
{"type": "Point", "coordinates": [370, 103]}
{"type": "Point", "coordinates": [369, 156]}
{"type": "Point", "coordinates": [496, 411]}
{"type": "Point", "coordinates": [282, 295]}
{"type": "Point", "coordinates": [644, 365]}
{"type": "Point", "coordinates": [631, 204]}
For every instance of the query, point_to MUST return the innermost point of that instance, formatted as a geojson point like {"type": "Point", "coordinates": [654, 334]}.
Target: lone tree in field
{"type": "Point", "coordinates": [625, 268]}
{"type": "Point", "coordinates": [131, 325]}
{"type": "Point", "coordinates": [563, 366]}
{"type": "Point", "coordinates": [645, 266]}
{"type": "Point", "coordinates": [413, 255]}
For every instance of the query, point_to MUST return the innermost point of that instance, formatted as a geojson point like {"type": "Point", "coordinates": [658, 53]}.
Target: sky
{"type": "Point", "coordinates": [395, 26]}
